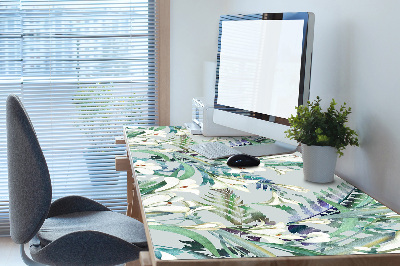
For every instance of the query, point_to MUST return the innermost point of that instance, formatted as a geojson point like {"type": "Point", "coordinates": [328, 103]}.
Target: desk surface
{"type": "Point", "coordinates": [199, 209]}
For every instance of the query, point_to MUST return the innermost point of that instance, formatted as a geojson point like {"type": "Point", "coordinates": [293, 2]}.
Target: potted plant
{"type": "Point", "coordinates": [323, 135]}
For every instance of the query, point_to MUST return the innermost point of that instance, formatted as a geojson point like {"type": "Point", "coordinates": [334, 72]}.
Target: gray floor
{"type": "Point", "coordinates": [9, 253]}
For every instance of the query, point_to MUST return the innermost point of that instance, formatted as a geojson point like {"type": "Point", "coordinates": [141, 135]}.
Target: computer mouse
{"type": "Point", "coordinates": [242, 160]}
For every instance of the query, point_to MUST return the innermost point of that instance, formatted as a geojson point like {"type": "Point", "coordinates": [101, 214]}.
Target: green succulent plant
{"type": "Point", "coordinates": [312, 126]}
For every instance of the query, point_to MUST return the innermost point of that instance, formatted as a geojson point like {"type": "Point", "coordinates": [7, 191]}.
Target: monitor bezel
{"type": "Point", "coordinates": [305, 69]}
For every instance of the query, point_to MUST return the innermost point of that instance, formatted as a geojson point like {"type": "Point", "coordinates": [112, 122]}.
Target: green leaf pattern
{"type": "Point", "coordinates": [200, 209]}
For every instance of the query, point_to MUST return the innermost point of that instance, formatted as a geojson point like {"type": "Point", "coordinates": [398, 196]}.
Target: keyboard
{"type": "Point", "coordinates": [214, 150]}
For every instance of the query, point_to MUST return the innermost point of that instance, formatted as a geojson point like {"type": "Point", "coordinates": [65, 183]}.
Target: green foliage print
{"type": "Point", "coordinates": [229, 206]}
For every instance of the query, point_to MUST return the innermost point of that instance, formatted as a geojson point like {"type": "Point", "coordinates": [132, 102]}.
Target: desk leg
{"type": "Point", "coordinates": [133, 263]}
{"type": "Point", "coordinates": [144, 260]}
{"type": "Point", "coordinates": [122, 163]}
{"type": "Point", "coordinates": [129, 192]}
{"type": "Point", "coordinates": [133, 199]}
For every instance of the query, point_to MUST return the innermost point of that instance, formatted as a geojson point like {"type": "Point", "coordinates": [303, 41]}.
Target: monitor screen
{"type": "Point", "coordinates": [260, 63]}
{"type": "Point", "coordinates": [263, 71]}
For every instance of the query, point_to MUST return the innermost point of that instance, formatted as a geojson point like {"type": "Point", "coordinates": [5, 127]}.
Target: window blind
{"type": "Point", "coordinates": [83, 69]}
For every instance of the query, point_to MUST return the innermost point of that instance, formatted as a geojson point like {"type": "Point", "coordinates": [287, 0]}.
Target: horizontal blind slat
{"type": "Point", "coordinates": [83, 69]}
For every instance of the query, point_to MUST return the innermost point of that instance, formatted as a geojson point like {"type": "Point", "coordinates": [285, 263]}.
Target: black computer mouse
{"type": "Point", "coordinates": [242, 160]}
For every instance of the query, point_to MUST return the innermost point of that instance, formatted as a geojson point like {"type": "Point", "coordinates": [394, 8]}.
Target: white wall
{"type": "Point", "coordinates": [356, 60]}
{"type": "Point", "coordinates": [194, 41]}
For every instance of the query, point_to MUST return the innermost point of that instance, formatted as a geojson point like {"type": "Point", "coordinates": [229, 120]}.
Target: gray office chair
{"type": "Point", "coordinates": [70, 231]}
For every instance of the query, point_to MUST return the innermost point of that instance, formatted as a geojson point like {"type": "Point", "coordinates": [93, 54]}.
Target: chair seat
{"type": "Point", "coordinates": [107, 222]}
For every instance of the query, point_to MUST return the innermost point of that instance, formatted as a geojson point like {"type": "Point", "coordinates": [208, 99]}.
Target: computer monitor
{"type": "Point", "coordinates": [263, 73]}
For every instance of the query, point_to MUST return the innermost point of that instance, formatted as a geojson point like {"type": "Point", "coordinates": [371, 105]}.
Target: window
{"type": "Point", "coordinates": [83, 69]}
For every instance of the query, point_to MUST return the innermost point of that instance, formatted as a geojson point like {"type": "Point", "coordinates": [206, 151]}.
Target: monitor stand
{"type": "Point", "coordinates": [267, 149]}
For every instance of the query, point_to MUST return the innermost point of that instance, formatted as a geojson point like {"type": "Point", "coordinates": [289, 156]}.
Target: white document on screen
{"type": "Point", "coordinates": [260, 65]}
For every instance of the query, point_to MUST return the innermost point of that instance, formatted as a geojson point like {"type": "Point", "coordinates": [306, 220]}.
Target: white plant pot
{"type": "Point", "coordinates": [319, 163]}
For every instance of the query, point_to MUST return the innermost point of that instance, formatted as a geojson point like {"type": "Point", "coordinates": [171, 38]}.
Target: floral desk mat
{"type": "Point", "coordinates": [200, 209]}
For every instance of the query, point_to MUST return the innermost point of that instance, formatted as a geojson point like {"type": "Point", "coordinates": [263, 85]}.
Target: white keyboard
{"type": "Point", "coordinates": [214, 150]}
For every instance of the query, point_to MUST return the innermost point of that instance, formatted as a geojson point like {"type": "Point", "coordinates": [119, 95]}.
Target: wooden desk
{"type": "Point", "coordinates": [204, 212]}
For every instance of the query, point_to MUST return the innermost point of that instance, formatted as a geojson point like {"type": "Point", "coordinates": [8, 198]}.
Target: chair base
{"type": "Point", "coordinates": [26, 259]}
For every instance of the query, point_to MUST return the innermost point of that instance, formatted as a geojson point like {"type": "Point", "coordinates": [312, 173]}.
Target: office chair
{"type": "Point", "coordinates": [70, 231]}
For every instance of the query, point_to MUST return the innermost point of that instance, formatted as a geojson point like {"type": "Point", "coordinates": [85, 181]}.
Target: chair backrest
{"type": "Point", "coordinates": [29, 183]}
